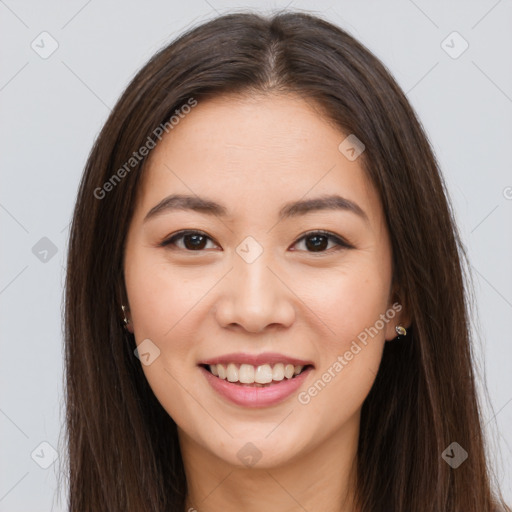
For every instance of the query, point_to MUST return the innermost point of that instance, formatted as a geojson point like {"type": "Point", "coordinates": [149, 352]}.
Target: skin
{"type": "Point", "coordinates": [253, 155]}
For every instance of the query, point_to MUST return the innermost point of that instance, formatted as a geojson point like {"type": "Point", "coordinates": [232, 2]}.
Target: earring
{"type": "Point", "coordinates": [401, 331]}
{"type": "Point", "coordinates": [125, 320]}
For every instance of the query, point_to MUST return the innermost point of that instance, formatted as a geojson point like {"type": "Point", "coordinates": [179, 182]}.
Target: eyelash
{"type": "Point", "coordinates": [340, 243]}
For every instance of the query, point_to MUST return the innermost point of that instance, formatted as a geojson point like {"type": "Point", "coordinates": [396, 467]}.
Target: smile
{"type": "Point", "coordinates": [256, 375]}
{"type": "Point", "coordinates": [255, 381]}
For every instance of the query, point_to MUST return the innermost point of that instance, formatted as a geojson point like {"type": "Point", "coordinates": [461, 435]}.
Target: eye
{"type": "Point", "coordinates": [315, 241]}
{"type": "Point", "coordinates": [192, 240]}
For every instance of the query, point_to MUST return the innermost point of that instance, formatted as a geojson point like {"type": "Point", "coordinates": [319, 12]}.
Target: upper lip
{"type": "Point", "coordinates": [256, 359]}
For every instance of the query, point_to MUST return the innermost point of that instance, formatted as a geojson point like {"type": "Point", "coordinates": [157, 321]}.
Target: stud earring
{"type": "Point", "coordinates": [125, 320]}
{"type": "Point", "coordinates": [401, 331]}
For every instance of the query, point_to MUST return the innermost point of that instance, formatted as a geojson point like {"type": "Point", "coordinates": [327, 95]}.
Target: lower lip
{"type": "Point", "coordinates": [246, 396]}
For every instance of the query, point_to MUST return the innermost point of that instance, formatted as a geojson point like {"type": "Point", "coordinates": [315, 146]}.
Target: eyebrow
{"type": "Point", "coordinates": [293, 209]}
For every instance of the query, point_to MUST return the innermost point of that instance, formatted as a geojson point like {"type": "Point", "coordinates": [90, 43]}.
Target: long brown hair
{"type": "Point", "coordinates": [122, 445]}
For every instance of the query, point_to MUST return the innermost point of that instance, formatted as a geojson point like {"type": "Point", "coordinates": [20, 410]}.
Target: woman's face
{"type": "Point", "coordinates": [253, 286]}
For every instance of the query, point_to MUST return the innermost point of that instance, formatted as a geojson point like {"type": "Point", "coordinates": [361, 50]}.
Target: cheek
{"type": "Point", "coordinates": [161, 306]}
{"type": "Point", "coordinates": [167, 306]}
{"type": "Point", "coordinates": [162, 303]}
{"type": "Point", "coordinates": [350, 350]}
{"type": "Point", "coordinates": [347, 300]}
{"type": "Point", "coordinates": [161, 296]}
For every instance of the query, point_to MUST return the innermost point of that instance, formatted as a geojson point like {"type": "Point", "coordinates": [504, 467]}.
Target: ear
{"type": "Point", "coordinates": [398, 313]}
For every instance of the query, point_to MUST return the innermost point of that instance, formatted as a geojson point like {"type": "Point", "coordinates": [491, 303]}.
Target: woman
{"type": "Point", "coordinates": [265, 303]}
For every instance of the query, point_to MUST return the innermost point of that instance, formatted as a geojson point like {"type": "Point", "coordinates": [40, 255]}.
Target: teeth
{"type": "Point", "coordinates": [220, 370]}
{"type": "Point", "coordinates": [232, 373]}
{"type": "Point", "coordinates": [246, 374]}
{"type": "Point", "coordinates": [278, 372]}
{"type": "Point", "coordinates": [263, 374]}
{"type": "Point", "coordinates": [289, 370]}
{"type": "Point", "coordinates": [259, 375]}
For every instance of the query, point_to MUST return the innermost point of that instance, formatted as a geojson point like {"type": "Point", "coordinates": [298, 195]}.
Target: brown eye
{"type": "Point", "coordinates": [191, 240]}
{"type": "Point", "coordinates": [194, 242]}
{"type": "Point", "coordinates": [318, 241]}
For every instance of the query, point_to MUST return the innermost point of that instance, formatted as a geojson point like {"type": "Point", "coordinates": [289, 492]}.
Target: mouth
{"type": "Point", "coordinates": [260, 376]}
{"type": "Point", "coordinates": [255, 381]}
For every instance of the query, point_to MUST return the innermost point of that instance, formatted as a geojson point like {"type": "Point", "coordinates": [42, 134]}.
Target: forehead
{"type": "Point", "coordinates": [253, 152]}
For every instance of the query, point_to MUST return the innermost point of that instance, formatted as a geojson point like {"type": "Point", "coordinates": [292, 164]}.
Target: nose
{"type": "Point", "coordinates": [254, 296]}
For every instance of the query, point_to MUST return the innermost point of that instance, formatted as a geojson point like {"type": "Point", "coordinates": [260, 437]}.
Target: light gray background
{"type": "Point", "coordinates": [52, 109]}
